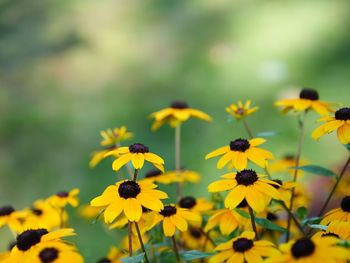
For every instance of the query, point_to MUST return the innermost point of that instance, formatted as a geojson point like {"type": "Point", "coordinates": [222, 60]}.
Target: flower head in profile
{"type": "Point", "coordinates": [308, 100]}
{"type": "Point", "coordinates": [12, 218]}
{"type": "Point", "coordinates": [316, 249]}
{"type": "Point", "coordinates": [157, 176]}
{"type": "Point", "coordinates": [173, 218]}
{"type": "Point", "coordinates": [63, 198]}
{"type": "Point", "coordinates": [129, 197]}
{"type": "Point", "coordinates": [195, 205]}
{"type": "Point", "coordinates": [244, 249]}
{"type": "Point", "coordinates": [338, 229]}
{"type": "Point", "coordinates": [137, 153]}
{"type": "Point", "coordinates": [340, 122]}
{"type": "Point", "coordinates": [342, 213]}
{"type": "Point", "coordinates": [194, 238]}
{"type": "Point", "coordinates": [177, 113]}
{"type": "Point", "coordinates": [248, 185]}
{"type": "Point", "coordinates": [184, 175]}
{"type": "Point", "coordinates": [239, 151]}
{"type": "Point", "coordinates": [241, 110]}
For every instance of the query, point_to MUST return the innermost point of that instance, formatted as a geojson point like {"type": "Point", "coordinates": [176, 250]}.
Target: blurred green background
{"type": "Point", "coordinates": [70, 68]}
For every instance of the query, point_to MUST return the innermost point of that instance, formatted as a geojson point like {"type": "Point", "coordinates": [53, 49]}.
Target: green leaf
{"type": "Point", "coordinates": [134, 259]}
{"type": "Point", "coordinates": [311, 220]}
{"type": "Point", "coordinates": [243, 213]}
{"type": "Point", "coordinates": [317, 226]}
{"type": "Point", "coordinates": [344, 243]}
{"type": "Point", "coordinates": [193, 254]}
{"type": "Point", "coordinates": [266, 134]}
{"type": "Point", "coordinates": [315, 169]}
{"type": "Point", "coordinates": [347, 146]}
{"type": "Point", "coordinates": [302, 213]}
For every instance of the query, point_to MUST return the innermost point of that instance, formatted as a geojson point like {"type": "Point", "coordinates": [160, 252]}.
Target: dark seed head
{"type": "Point", "coordinates": [277, 181]}
{"type": "Point", "coordinates": [104, 260]}
{"type": "Point", "coordinates": [289, 157]}
{"type": "Point", "coordinates": [342, 114]}
{"type": "Point", "coordinates": [195, 233]}
{"type": "Point", "coordinates": [153, 173]}
{"type": "Point", "coordinates": [303, 247]}
{"type": "Point", "coordinates": [187, 202]}
{"type": "Point", "coordinates": [329, 234]}
{"type": "Point", "coordinates": [48, 255]}
{"type": "Point", "coordinates": [138, 148]}
{"type": "Point", "coordinates": [246, 177]}
{"type": "Point", "coordinates": [6, 210]}
{"type": "Point", "coordinates": [29, 238]}
{"type": "Point", "coordinates": [240, 145]}
{"type": "Point", "coordinates": [272, 216]}
{"type": "Point", "coordinates": [168, 210]}
{"type": "Point", "coordinates": [243, 204]}
{"type": "Point", "coordinates": [62, 194]}
{"type": "Point", "coordinates": [37, 212]}
{"type": "Point", "coordinates": [345, 204]}
{"type": "Point", "coordinates": [129, 189]}
{"type": "Point", "coordinates": [309, 94]}
{"type": "Point", "coordinates": [242, 244]}
{"type": "Point", "coordinates": [179, 104]}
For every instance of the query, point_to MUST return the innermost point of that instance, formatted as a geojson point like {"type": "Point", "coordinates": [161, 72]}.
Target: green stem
{"type": "Point", "coordinates": [141, 242]}
{"type": "Point", "coordinates": [130, 238]}
{"type": "Point", "coordinates": [178, 159]}
{"type": "Point", "coordinates": [293, 217]}
{"type": "Point", "coordinates": [248, 130]}
{"type": "Point", "coordinates": [176, 250]}
{"type": "Point", "coordinates": [252, 220]}
{"type": "Point", "coordinates": [136, 172]}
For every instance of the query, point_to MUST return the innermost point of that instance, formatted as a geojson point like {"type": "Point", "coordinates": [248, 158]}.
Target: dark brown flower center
{"type": "Point", "coordinates": [168, 210]}
{"type": "Point", "coordinates": [129, 189]}
{"type": "Point", "coordinates": [345, 204]}
{"type": "Point", "coordinates": [329, 234]}
{"type": "Point", "coordinates": [187, 202]}
{"type": "Point", "coordinates": [48, 255]}
{"type": "Point", "coordinates": [240, 145]}
{"type": "Point", "coordinates": [62, 194]}
{"type": "Point", "coordinates": [246, 177]}
{"type": "Point", "coordinates": [277, 181]}
{"type": "Point", "coordinates": [29, 238]}
{"type": "Point", "coordinates": [240, 111]}
{"type": "Point", "coordinates": [195, 233]}
{"type": "Point", "coordinates": [272, 216]}
{"type": "Point", "coordinates": [242, 244]}
{"type": "Point", "coordinates": [153, 173]}
{"type": "Point", "coordinates": [138, 148]}
{"type": "Point", "coordinates": [289, 157]}
{"type": "Point", "coordinates": [104, 260]}
{"type": "Point", "coordinates": [6, 210]}
{"type": "Point", "coordinates": [302, 248]}
{"type": "Point", "coordinates": [36, 211]}
{"type": "Point", "coordinates": [243, 204]}
{"type": "Point", "coordinates": [179, 104]}
{"type": "Point", "coordinates": [309, 94]}
{"type": "Point", "coordinates": [342, 114]}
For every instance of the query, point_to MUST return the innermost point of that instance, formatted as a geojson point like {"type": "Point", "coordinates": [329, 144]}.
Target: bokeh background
{"type": "Point", "coordinates": [71, 68]}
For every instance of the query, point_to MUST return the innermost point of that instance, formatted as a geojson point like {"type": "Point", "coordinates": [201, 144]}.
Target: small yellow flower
{"type": "Point", "coordinates": [244, 249]}
{"type": "Point", "coordinates": [340, 122]}
{"type": "Point", "coordinates": [184, 176]}
{"type": "Point", "coordinates": [173, 218]}
{"type": "Point", "coordinates": [12, 218]}
{"type": "Point", "coordinates": [177, 113]}
{"type": "Point", "coordinates": [248, 185]}
{"type": "Point", "coordinates": [129, 197]}
{"type": "Point", "coordinates": [63, 198]}
{"type": "Point", "coordinates": [196, 205]}
{"type": "Point", "coordinates": [240, 151]}
{"type": "Point", "coordinates": [308, 99]}
{"type": "Point", "coordinates": [158, 176]}
{"type": "Point", "coordinates": [284, 165]}
{"type": "Point", "coordinates": [305, 250]}
{"type": "Point", "coordinates": [241, 110]}
{"type": "Point", "coordinates": [342, 213]}
{"type": "Point", "coordinates": [137, 153]}
{"type": "Point", "coordinates": [194, 238]}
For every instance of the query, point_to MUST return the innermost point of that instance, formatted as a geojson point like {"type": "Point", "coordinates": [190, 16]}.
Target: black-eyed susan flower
{"type": "Point", "coordinates": [63, 198]}
{"type": "Point", "coordinates": [173, 218]}
{"type": "Point", "coordinates": [54, 252]}
{"type": "Point", "coordinates": [241, 110]}
{"type": "Point", "coordinates": [240, 151]}
{"type": "Point", "coordinates": [337, 229]}
{"type": "Point", "coordinates": [194, 238]}
{"type": "Point", "coordinates": [114, 255]}
{"type": "Point", "coordinates": [308, 100]}
{"type": "Point", "coordinates": [137, 153]}
{"type": "Point", "coordinates": [342, 213]}
{"type": "Point", "coordinates": [195, 205]}
{"type": "Point", "coordinates": [158, 176]}
{"type": "Point", "coordinates": [305, 250]}
{"type": "Point", "coordinates": [12, 218]}
{"type": "Point", "coordinates": [244, 249]}
{"type": "Point", "coordinates": [248, 185]}
{"type": "Point", "coordinates": [184, 175]}
{"type": "Point", "coordinates": [129, 197]}
{"type": "Point", "coordinates": [177, 113]}
{"type": "Point", "coordinates": [285, 164]}
{"type": "Point", "coordinates": [340, 122]}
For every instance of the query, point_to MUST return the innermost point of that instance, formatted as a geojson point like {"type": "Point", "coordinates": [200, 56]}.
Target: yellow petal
{"type": "Point", "coordinates": [224, 160]}
{"type": "Point", "coordinates": [222, 185]}
{"type": "Point", "coordinates": [137, 160]}
{"type": "Point", "coordinates": [153, 158]}
{"type": "Point", "coordinates": [179, 222]}
{"type": "Point", "coordinates": [132, 209]}
{"type": "Point", "coordinates": [255, 199]}
{"type": "Point", "coordinates": [168, 227]}
{"type": "Point", "coordinates": [256, 141]}
{"type": "Point", "coordinates": [318, 132]}
{"type": "Point", "coordinates": [122, 160]}
{"type": "Point", "coordinates": [217, 152]}
{"type": "Point", "coordinates": [235, 196]}
{"type": "Point", "coordinates": [112, 211]}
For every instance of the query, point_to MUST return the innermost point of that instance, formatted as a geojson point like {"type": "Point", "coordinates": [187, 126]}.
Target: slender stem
{"type": "Point", "coordinates": [248, 130]}
{"type": "Point", "coordinates": [207, 238]}
{"type": "Point", "coordinates": [178, 159]}
{"type": "Point", "coordinates": [176, 250]}
{"type": "Point", "coordinates": [141, 242]}
{"type": "Point", "coordinates": [334, 187]}
{"type": "Point", "coordinates": [295, 177]}
{"type": "Point", "coordinates": [136, 172]}
{"type": "Point", "coordinates": [293, 217]}
{"type": "Point", "coordinates": [130, 238]}
{"type": "Point", "coordinates": [252, 219]}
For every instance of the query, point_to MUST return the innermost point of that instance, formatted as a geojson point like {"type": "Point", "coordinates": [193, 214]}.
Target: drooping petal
{"type": "Point", "coordinates": [121, 161]}
{"type": "Point", "coordinates": [137, 160]}
{"type": "Point", "coordinates": [112, 211]}
{"type": "Point", "coordinates": [168, 227]}
{"type": "Point", "coordinates": [217, 152]}
{"type": "Point", "coordinates": [222, 185]}
{"type": "Point", "coordinates": [153, 158]}
{"type": "Point", "coordinates": [235, 196]}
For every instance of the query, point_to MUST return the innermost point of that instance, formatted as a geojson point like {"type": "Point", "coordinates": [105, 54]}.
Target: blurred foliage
{"type": "Point", "coordinates": [71, 68]}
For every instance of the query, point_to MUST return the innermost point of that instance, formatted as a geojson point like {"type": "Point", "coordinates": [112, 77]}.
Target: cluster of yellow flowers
{"type": "Point", "coordinates": [252, 216]}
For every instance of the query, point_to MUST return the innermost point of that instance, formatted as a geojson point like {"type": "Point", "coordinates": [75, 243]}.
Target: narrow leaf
{"type": "Point", "coordinates": [347, 146]}
{"type": "Point", "coordinates": [266, 134]}
{"type": "Point", "coordinates": [193, 254]}
{"type": "Point", "coordinates": [315, 169]}
{"type": "Point", "coordinates": [317, 226]}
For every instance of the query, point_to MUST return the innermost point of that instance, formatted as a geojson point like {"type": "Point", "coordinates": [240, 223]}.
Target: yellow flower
{"type": "Point", "coordinates": [305, 250]}
{"type": "Point", "coordinates": [336, 229]}
{"type": "Point", "coordinates": [240, 111]}
{"type": "Point", "coordinates": [341, 214]}
{"type": "Point", "coordinates": [61, 199]}
{"type": "Point", "coordinates": [308, 99]}
{"type": "Point", "coordinates": [301, 198]}
{"type": "Point", "coordinates": [248, 185]}
{"type": "Point", "coordinates": [284, 165]}
{"type": "Point", "coordinates": [244, 249]}
{"type": "Point", "coordinates": [12, 218]}
{"type": "Point", "coordinates": [174, 218]}
{"type": "Point", "coordinates": [54, 252]}
{"type": "Point", "coordinates": [198, 206]}
{"type": "Point", "coordinates": [137, 153]}
{"type": "Point", "coordinates": [240, 151]}
{"type": "Point", "coordinates": [177, 113]}
{"type": "Point", "coordinates": [340, 122]}
{"type": "Point", "coordinates": [158, 176]}
{"type": "Point", "coordinates": [184, 176]}
{"type": "Point", "coordinates": [129, 197]}
{"type": "Point", "coordinates": [114, 256]}
{"type": "Point", "coordinates": [194, 238]}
